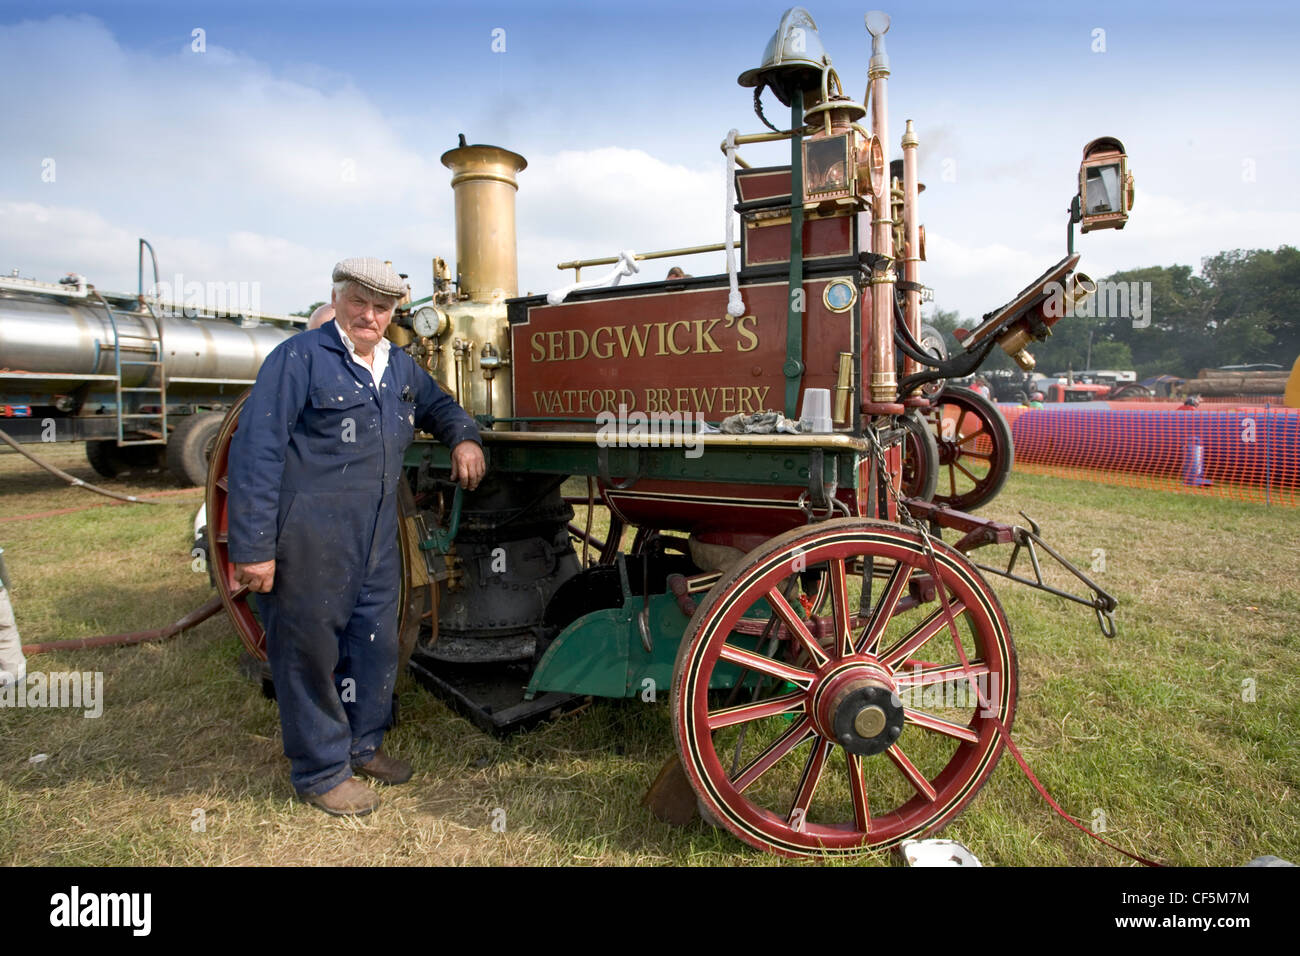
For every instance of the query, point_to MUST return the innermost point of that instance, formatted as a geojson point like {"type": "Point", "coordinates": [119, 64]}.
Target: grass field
{"type": "Point", "coordinates": [1182, 731]}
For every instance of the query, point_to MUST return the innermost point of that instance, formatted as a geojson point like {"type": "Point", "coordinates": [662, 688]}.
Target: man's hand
{"type": "Point", "coordinates": [467, 465]}
{"type": "Point", "coordinates": [260, 577]}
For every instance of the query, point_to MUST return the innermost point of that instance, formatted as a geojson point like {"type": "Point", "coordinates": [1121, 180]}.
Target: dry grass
{"type": "Point", "coordinates": [1150, 728]}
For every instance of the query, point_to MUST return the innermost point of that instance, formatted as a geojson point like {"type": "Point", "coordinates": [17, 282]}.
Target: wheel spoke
{"type": "Point", "coordinates": [967, 473]}
{"type": "Point", "coordinates": [931, 626]}
{"type": "Point", "coordinates": [858, 793]}
{"type": "Point", "coordinates": [223, 483]}
{"type": "Point", "coordinates": [777, 749]}
{"type": "Point", "coordinates": [840, 608]}
{"type": "Point", "coordinates": [952, 480]}
{"type": "Point", "coordinates": [812, 775]}
{"type": "Point", "coordinates": [921, 676]}
{"type": "Point", "coordinates": [797, 626]}
{"type": "Point", "coordinates": [880, 617]}
{"type": "Point", "coordinates": [910, 771]}
{"type": "Point", "coordinates": [939, 725]}
{"type": "Point", "coordinates": [741, 713]}
{"type": "Point", "coordinates": [765, 665]}
{"type": "Point", "coordinates": [961, 440]}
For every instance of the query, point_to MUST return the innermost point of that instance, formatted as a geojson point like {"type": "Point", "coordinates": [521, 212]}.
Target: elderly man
{"type": "Point", "coordinates": [314, 468]}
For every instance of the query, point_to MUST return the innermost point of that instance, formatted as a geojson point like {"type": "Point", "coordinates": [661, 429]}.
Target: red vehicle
{"type": "Point", "coordinates": [1057, 392]}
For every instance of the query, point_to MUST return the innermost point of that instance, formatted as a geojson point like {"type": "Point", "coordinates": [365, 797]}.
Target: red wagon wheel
{"type": "Point", "coordinates": [920, 477]}
{"type": "Point", "coordinates": [418, 598]}
{"type": "Point", "coordinates": [851, 731]}
{"type": "Point", "coordinates": [975, 448]}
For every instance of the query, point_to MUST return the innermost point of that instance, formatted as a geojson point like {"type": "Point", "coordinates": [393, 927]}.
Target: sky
{"type": "Point", "coordinates": [286, 136]}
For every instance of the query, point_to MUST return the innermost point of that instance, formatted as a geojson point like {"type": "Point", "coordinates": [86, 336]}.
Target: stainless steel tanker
{"type": "Point", "coordinates": [144, 384]}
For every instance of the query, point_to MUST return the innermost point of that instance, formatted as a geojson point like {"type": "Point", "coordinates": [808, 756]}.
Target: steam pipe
{"type": "Point", "coordinates": [883, 378]}
{"type": "Point", "coordinates": [912, 244]}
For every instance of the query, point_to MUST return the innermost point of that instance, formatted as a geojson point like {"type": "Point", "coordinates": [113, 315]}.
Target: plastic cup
{"type": "Point", "coordinates": [816, 413]}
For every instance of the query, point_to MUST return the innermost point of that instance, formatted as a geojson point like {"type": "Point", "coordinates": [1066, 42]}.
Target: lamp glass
{"type": "Point", "coordinates": [1103, 188]}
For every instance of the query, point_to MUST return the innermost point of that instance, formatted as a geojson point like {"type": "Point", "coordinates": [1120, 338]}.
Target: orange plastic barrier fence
{"type": "Point", "coordinates": [1246, 452]}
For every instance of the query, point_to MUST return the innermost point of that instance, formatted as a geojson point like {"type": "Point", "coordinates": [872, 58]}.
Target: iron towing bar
{"type": "Point", "coordinates": [980, 532]}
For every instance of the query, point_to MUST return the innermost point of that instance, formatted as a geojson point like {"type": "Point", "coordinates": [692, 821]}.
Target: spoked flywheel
{"type": "Point", "coordinates": [808, 734]}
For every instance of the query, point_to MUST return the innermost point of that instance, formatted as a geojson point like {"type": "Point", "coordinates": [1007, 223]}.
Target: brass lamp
{"type": "Point", "coordinates": [1105, 185]}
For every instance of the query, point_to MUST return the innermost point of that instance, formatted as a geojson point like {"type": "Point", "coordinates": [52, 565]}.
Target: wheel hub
{"type": "Point", "coordinates": [858, 707]}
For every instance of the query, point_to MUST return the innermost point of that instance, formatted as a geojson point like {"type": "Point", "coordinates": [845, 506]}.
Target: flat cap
{"type": "Point", "coordinates": [373, 274]}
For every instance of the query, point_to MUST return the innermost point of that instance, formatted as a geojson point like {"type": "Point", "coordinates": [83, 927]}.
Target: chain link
{"type": "Point", "coordinates": [905, 516]}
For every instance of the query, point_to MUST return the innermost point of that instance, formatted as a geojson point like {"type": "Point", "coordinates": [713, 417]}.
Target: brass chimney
{"type": "Point", "coordinates": [483, 178]}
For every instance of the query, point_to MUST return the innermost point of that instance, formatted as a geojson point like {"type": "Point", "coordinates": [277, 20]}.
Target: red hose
{"type": "Point", "coordinates": [197, 616]}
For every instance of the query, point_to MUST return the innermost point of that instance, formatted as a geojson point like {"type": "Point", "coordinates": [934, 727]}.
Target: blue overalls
{"type": "Point", "coordinates": [314, 467]}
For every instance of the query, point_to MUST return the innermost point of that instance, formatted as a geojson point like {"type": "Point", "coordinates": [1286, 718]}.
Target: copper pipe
{"type": "Point", "coordinates": [912, 244]}
{"type": "Point", "coordinates": [883, 379]}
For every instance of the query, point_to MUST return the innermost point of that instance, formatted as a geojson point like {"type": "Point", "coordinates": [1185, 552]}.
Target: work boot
{"type": "Point", "coordinates": [384, 768]}
{"type": "Point", "coordinates": [351, 798]}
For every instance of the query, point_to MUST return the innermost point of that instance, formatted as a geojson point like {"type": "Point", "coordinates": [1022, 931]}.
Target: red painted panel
{"type": "Point", "coordinates": [670, 351]}
{"type": "Point", "coordinates": [763, 185]}
{"type": "Point", "coordinates": [821, 237]}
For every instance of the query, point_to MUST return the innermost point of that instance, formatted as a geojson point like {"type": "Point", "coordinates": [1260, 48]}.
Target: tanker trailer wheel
{"type": "Point", "coordinates": [105, 457]}
{"type": "Point", "coordinates": [415, 598]}
{"type": "Point", "coordinates": [851, 731]}
{"type": "Point", "coordinates": [189, 447]}
{"type": "Point", "coordinates": [111, 461]}
{"type": "Point", "coordinates": [920, 478]}
{"type": "Point", "coordinates": [975, 448]}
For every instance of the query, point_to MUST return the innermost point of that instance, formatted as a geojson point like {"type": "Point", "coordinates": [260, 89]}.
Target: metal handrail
{"type": "Point", "coordinates": [579, 264]}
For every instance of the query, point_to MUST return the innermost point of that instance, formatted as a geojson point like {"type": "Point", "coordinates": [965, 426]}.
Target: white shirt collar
{"type": "Point", "coordinates": [379, 358]}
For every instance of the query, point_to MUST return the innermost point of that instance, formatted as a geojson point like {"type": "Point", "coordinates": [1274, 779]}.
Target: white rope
{"type": "Point", "coordinates": [735, 304]}
{"type": "Point", "coordinates": [626, 266]}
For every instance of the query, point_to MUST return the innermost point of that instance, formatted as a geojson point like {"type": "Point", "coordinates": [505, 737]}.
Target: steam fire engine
{"type": "Point", "coordinates": [841, 678]}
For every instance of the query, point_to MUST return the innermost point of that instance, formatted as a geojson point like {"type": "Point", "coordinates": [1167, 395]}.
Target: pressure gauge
{"type": "Point", "coordinates": [429, 322]}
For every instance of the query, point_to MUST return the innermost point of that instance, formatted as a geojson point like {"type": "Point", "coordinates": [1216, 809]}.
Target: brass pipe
{"type": "Point", "coordinates": [1078, 287]}
{"type": "Point", "coordinates": [662, 254]}
{"type": "Point", "coordinates": [460, 350]}
{"type": "Point", "coordinates": [843, 388]}
{"type": "Point", "coordinates": [753, 138]}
